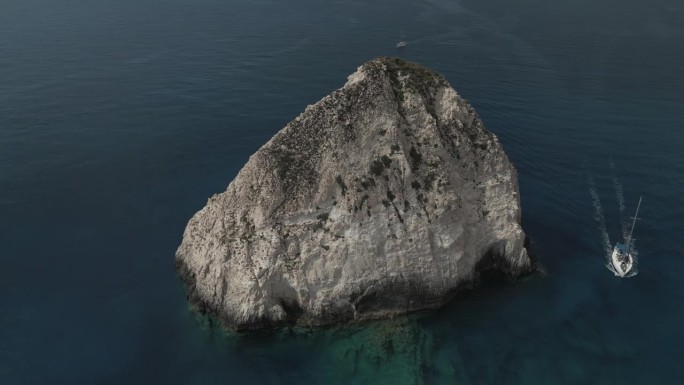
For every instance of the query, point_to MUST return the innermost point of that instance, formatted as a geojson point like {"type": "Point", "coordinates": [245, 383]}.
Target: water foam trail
{"type": "Point", "coordinates": [620, 197]}
{"type": "Point", "coordinates": [599, 216]}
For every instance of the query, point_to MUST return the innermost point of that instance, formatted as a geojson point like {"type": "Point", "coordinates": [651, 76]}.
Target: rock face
{"type": "Point", "coordinates": [384, 197]}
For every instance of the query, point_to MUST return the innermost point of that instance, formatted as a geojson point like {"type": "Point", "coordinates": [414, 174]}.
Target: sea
{"type": "Point", "coordinates": [120, 118]}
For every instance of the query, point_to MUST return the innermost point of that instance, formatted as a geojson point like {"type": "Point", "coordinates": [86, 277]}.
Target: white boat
{"type": "Point", "coordinates": [622, 258]}
{"type": "Point", "coordinates": [402, 44]}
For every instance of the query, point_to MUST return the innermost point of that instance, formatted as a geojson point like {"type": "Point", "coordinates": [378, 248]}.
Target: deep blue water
{"type": "Point", "coordinates": [119, 118]}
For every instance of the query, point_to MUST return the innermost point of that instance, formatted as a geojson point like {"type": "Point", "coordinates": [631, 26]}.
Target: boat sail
{"type": "Point", "coordinates": [622, 258]}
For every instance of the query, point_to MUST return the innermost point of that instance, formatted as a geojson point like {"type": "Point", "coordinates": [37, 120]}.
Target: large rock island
{"type": "Point", "coordinates": [386, 196]}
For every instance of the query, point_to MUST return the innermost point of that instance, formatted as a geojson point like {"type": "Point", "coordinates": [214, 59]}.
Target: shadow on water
{"type": "Point", "coordinates": [418, 348]}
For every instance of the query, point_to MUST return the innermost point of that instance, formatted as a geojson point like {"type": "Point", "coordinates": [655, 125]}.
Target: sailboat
{"type": "Point", "coordinates": [622, 258]}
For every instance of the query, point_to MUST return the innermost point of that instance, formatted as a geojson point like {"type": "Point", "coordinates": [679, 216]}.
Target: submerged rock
{"type": "Point", "coordinates": [384, 197]}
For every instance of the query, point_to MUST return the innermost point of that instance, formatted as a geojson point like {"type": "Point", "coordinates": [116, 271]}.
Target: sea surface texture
{"type": "Point", "coordinates": [119, 118]}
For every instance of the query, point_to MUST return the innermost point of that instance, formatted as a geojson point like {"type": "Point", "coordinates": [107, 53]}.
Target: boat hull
{"type": "Point", "coordinates": [622, 261]}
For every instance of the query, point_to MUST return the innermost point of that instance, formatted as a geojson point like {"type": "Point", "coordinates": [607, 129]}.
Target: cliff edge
{"type": "Point", "coordinates": [384, 197]}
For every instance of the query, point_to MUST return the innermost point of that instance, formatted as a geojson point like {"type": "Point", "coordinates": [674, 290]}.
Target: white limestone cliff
{"type": "Point", "coordinates": [386, 196]}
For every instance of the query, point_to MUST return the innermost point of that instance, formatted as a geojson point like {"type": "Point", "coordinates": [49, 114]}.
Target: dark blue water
{"type": "Point", "coordinates": [118, 119]}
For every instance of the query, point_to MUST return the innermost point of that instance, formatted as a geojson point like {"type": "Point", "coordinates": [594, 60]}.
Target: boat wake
{"type": "Point", "coordinates": [620, 197]}
{"type": "Point", "coordinates": [600, 218]}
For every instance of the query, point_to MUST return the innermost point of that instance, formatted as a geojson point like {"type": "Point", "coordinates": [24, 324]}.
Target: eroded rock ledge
{"type": "Point", "coordinates": [384, 197]}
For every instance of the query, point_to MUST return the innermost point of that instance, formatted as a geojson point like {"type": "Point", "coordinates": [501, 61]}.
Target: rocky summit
{"type": "Point", "coordinates": [386, 196]}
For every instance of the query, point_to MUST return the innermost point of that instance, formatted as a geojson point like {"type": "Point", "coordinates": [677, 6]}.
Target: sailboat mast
{"type": "Point", "coordinates": [629, 238]}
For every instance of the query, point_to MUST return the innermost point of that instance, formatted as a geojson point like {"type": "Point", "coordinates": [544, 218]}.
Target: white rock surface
{"type": "Point", "coordinates": [384, 197]}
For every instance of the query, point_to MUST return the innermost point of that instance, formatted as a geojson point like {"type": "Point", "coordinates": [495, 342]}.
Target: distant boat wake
{"type": "Point", "coordinates": [620, 198]}
{"type": "Point", "coordinates": [405, 43]}
{"type": "Point", "coordinates": [600, 218]}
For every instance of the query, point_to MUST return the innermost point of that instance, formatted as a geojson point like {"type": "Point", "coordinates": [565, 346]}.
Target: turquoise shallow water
{"type": "Point", "coordinates": [118, 119]}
